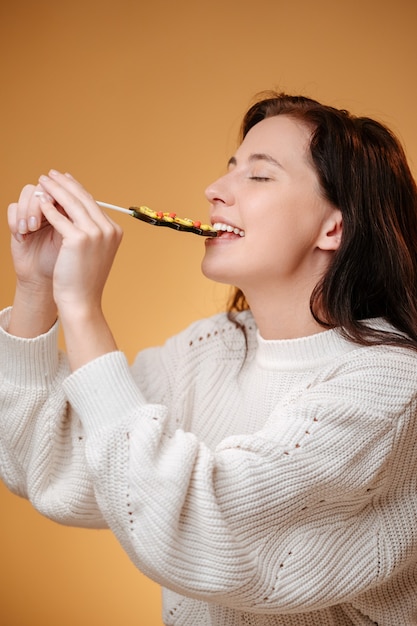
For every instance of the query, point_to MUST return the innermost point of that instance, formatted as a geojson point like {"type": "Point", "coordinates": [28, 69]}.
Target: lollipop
{"type": "Point", "coordinates": [157, 218]}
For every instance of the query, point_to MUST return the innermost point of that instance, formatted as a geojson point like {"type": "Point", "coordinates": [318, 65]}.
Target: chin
{"type": "Point", "coordinates": [216, 271]}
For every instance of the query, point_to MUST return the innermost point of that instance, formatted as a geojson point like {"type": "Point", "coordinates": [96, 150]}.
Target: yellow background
{"type": "Point", "coordinates": [142, 102]}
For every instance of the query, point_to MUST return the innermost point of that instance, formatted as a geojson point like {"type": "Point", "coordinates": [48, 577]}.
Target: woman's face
{"type": "Point", "coordinates": [271, 197]}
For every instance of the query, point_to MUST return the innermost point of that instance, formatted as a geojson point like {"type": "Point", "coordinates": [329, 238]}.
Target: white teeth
{"type": "Point", "coordinates": [220, 226]}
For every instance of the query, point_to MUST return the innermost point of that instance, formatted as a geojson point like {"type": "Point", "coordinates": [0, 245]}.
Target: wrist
{"type": "Point", "coordinates": [87, 334]}
{"type": "Point", "coordinates": [34, 311]}
{"type": "Point", "coordinates": [38, 292]}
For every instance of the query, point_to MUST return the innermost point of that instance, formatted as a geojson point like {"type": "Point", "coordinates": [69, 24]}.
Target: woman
{"type": "Point", "coordinates": [261, 465]}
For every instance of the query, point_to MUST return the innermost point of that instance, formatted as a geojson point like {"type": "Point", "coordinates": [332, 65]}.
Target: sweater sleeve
{"type": "Point", "coordinates": [42, 447]}
{"type": "Point", "coordinates": [287, 519]}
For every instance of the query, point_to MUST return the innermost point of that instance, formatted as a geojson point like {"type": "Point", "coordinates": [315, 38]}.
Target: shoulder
{"type": "Point", "coordinates": [383, 359]}
{"type": "Point", "coordinates": [189, 358]}
{"type": "Point", "coordinates": [382, 377]}
{"type": "Point", "coordinates": [216, 334]}
{"type": "Point", "coordinates": [211, 337]}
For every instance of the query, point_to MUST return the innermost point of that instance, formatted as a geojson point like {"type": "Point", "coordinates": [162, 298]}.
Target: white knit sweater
{"type": "Point", "coordinates": [276, 490]}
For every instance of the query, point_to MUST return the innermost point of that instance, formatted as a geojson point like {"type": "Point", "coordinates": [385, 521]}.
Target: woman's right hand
{"type": "Point", "coordinates": [35, 243]}
{"type": "Point", "coordinates": [35, 246]}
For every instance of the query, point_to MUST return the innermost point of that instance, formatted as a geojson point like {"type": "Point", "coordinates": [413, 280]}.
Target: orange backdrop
{"type": "Point", "coordinates": [142, 103]}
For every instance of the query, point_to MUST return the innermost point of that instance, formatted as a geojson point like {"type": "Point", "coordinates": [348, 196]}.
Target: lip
{"type": "Point", "coordinates": [223, 220]}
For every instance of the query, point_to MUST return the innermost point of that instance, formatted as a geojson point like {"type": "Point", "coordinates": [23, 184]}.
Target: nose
{"type": "Point", "coordinates": [220, 191]}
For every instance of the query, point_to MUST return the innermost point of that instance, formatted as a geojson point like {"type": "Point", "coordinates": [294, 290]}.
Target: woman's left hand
{"type": "Point", "coordinates": [90, 240]}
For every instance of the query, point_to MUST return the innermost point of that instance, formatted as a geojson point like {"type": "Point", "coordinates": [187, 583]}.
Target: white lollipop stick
{"type": "Point", "coordinates": [114, 207]}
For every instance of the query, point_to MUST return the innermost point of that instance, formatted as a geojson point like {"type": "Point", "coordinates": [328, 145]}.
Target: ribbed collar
{"type": "Point", "coordinates": [301, 353]}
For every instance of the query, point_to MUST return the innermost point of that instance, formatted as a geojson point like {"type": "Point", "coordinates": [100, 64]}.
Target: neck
{"type": "Point", "coordinates": [283, 316]}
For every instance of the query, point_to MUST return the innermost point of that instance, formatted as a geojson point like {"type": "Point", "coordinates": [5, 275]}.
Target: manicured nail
{"type": "Point", "coordinates": [33, 223]}
{"type": "Point", "coordinates": [43, 196]}
{"type": "Point", "coordinates": [22, 227]}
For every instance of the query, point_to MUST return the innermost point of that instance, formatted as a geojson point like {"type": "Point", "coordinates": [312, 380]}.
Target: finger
{"type": "Point", "coordinates": [23, 210]}
{"type": "Point", "coordinates": [56, 216]}
{"type": "Point", "coordinates": [28, 214]}
{"type": "Point", "coordinates": [12, 221]}
{"type": "Point", "coordinates": [77, 201]}
{"type": "Point", "coordinates": [93, 240]}
{"type": "Point", "coordinates": [94, 208]}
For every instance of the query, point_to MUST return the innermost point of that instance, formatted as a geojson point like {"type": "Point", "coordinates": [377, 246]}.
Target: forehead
{"type": "Point", "coordinates": [281, 136]}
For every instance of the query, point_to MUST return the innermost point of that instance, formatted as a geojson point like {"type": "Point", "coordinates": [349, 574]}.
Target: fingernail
{"type": "Point", "coordinates": [43, 196]}
{"type": "Point", "coordinates": [33, 223]}
{"type": "Point", "coordinates": [53, 173]}
{"type": "Point", "coordinates": [22, 227]}
{"type": "Point", "coordinates": [68, 175]}
{"type": "Point", "coordinates": [44, 178]}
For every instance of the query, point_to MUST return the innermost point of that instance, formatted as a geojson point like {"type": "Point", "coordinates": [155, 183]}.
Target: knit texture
{"type": "Point", "coordinates": [267, 488]}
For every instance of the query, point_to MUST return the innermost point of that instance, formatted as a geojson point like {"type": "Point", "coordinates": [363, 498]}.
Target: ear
{"type": "Point", "coordinates": [331, 234]}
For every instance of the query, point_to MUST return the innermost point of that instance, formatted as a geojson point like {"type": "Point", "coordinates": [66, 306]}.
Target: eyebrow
{"type": "Point", "coordinates": [257, 156]}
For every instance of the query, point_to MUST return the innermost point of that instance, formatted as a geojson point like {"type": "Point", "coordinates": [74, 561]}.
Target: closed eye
{"type": "Point", "coordinates": [259, 178]}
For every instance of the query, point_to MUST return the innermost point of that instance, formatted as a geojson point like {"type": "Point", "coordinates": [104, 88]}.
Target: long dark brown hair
{"type": "Point", "coordinates": [362, 170]}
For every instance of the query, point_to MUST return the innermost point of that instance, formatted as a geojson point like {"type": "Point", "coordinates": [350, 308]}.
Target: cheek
{"type": "Point", "coordinates": [280, 246]}
{"type": "Point", "coordinates": [274, 229]}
